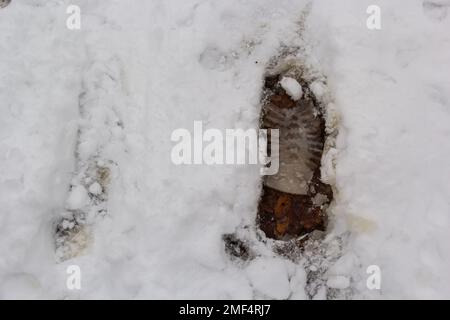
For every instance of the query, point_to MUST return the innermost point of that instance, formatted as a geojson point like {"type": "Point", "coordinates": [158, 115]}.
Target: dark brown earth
{"type": "Point", "coordinates": [285, 216]}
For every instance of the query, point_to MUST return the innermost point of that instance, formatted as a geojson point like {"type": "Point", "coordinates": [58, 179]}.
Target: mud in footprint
{"type": "Point", "coordinates": [294, 201]}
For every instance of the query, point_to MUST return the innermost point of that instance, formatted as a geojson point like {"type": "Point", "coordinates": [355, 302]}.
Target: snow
{"type": "Point", "coordinates": [78, 198]}
{"type": "Point", "coordinates": [392, 91]}
{"type": "Point", "coordinates": [141, 69]}
{"type": "Point", "coordinates": [292, 88]}
{"type": "Point", "coordinates": [95, 188]}
{"type": "Point", "coordinates": [269, 278]}
{"type": "Point", "coordinates": [338, 282]}
{"type": "Point", "coordinates": [318, 88]}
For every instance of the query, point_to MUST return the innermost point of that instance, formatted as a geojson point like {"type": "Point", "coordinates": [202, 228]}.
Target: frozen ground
{"type": "Point", "coordinates": [116, 89]}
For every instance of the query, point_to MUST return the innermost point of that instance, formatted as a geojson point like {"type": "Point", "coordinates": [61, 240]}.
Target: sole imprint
{"type": "Point", "coordinates": [294, 201]}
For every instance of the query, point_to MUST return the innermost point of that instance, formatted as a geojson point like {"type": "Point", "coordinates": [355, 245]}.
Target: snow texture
{"type": "Point", "coordinates": [292, 88]}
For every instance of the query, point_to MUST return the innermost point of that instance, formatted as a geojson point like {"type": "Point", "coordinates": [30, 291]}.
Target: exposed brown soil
{"type": "Point", "coordinates": [285, 216]}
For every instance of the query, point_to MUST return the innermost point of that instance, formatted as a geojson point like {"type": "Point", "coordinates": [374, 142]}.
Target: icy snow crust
{"type": "Point", "coordinates": [150, 67]}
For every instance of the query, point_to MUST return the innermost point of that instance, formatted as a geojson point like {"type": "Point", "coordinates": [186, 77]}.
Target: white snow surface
{"type": "Point", "coordinates": [292, 88]}
{"type": "Point", "coordinates": [159, 65]}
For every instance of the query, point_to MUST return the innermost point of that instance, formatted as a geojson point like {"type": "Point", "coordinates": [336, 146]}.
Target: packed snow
{"type": "Point", "coordinates": [292, 88]}
{"type": "Point", "coordinates": [110, 94]}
